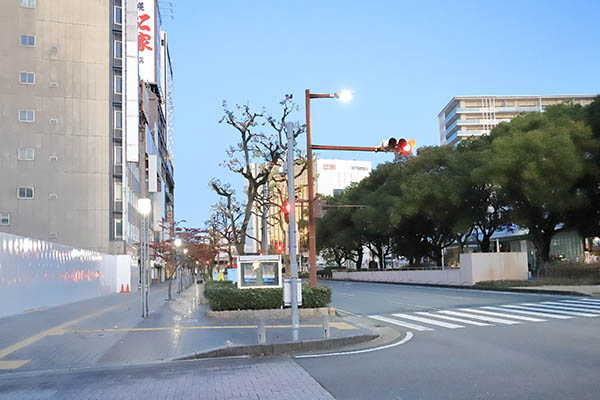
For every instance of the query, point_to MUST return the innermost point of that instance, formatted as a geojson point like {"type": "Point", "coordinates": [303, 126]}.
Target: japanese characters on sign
{"type": "Point", "coordinates": [147, 39]}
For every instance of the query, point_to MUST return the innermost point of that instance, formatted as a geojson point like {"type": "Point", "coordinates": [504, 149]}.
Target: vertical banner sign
{"type": "Point", "coordinates": [147, 39]}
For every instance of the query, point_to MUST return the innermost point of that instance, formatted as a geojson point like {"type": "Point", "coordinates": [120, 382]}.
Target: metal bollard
{"type": "Point", "coordinates": [262, 332]}
{"type": "Point", "coordinates": [326, 331]}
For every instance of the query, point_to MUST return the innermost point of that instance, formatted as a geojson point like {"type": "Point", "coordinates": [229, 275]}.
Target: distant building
{"type": "Point", "coordinates": [87, 129]}
{"type": "Point", "coordinates": [467, 116]}
{"type": "Point", "coordinates": [331, 177]}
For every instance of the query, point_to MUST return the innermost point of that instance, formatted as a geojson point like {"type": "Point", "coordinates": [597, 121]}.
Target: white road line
{"type": "Point", "coordinates": [482, 318]}
{"type": "Point", "coordinates": [581, 303]}
{"type": "Point", "coordinates": [590, 301]}
{"type": "Point", "coordinates": [408, 336]}
{"type": "Point", "coordinates": [562, 310]}
{"type": "Point", "coordinates": [399, 323]}
{"type": "Point", "coordinates": [496, 314]}
{"type": "Point", "coordinates": [581, 307]}
{"type": "Point", "coordinates": [429, 321]}
{"type": "Point", "coordinates": [523, 310]}
{"type": "Point", "coordinates": [549, 310]}
{"type": "Point", "coordinates": [463, 321]}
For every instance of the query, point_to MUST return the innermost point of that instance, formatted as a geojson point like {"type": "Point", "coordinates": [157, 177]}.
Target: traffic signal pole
{"type": "Point", "coordinates": [292, 231]}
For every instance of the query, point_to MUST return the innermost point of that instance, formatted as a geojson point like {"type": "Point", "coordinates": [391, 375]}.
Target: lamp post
{"type": "Point", "coordinates": [344, 95]}
{"type": "Point", "coordinates": [177, 244]}
{"type": "Point", "coordinates": [144, 208]}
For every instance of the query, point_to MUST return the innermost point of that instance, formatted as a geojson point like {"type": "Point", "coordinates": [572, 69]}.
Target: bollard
{"type": "Point", "coordinates": [262, 332]}
{"type": "Point", "coordinates": [326, 326]}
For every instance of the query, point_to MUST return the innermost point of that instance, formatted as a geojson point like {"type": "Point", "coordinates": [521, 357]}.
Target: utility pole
{"type": "Point", "coordinates": [292, 231]}
{"type": "Point", "coordinates": [265, 220]}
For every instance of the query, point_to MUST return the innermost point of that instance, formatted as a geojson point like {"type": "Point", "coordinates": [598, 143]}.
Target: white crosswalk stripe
{"type": "Point", "coordinates": [508, 314]}
{"type": "Point", "coordinates": [503, 315]}
{"type": "Point", "coordinates": [399, 323]}
{"type": "Point", "coordinates": [429, 321]}
{"type": "Point", "coordinates": [581, 307]}
{"type": "Point", "coordinates": [459, 320]}
{"type": "Point", "coordinates": [582, 303]}
{"type": "Point", "coordinates": [481, 318]}
{"type": "Point", "coordinates": [562, 310]}
{"type": "Point", "coordinates": [590, 301]}
{"type": "Point", "coordinates": [536, 313]}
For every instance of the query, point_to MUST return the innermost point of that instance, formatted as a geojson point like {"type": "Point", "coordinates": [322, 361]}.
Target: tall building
{"type": "Point", "coordinates": [467, 116]}
{"type": "Point", "coordinates": [86, 128]}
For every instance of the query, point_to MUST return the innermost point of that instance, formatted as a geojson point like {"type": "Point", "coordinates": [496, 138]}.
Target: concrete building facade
{"type": "Point", "coordinates": [468, 116]}
{"type": "Point", "coordinates": [71, 90]}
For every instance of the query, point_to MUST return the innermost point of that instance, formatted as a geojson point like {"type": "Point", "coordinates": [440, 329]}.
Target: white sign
{"type": "Point", "coordinates": [147, 39]}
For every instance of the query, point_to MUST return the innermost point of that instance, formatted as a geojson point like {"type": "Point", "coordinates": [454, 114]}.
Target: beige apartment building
{"type": "Point", "coordinates": [72, 101]}
{"type": "Point", "coordinates": [467, 116]}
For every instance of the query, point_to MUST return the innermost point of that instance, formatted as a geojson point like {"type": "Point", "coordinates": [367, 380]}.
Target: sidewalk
{"type": "Point", "coordinates": [589, 290]}
{"type": "Point", "coordinates": [109, 331]}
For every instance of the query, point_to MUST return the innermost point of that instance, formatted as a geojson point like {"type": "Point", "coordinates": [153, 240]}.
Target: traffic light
{"type": "Point", "coordinates": [286, 208]}
{"type": "Point", "coordinates": [400, 146]}
{"type": "Point", "coordinates": [279, 247]}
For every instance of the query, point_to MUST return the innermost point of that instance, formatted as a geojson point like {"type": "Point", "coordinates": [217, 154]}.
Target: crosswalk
{"type": "Point", "coordinates": [507, 314]}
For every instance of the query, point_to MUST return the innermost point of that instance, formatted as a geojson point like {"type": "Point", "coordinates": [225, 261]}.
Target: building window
{"type": "Point", "coordinates": [25, 192]}
{"type": "Point", "coordinates": [118, 191]}
{"type": "Point", "coordinates": [118, 155]}
{"type": "Point", "coordinates": [26, 154]}
{"type": "Point", "coordinates": [118, 49]}
{"type": "Point", "coordinates": [27, 78]}
{"type": "Point", "coordinates": [28, 3]}
{"type": "Point", "coordinates": [27, 40]}
{"type": "Point", "coordinates": [118, 84]}
{"type": "Point", "coordinates": [118, 119]}
{"type": "Point", "coordinates": [26, 115]}
{"type": "Point", "coordinates": [118, 227]}
{"type": "Point", "coordinates": [118, 15]}
{"type": "Point", "coordinates": [4, 218]}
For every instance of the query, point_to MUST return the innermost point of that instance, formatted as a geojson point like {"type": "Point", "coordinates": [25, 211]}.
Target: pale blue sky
{"type": "Point", "coordinates": [403, 59]}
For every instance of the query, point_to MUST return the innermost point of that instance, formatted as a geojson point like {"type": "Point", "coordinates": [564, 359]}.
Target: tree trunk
{"type": "Point", "coordinates": [359, 258]}
{"type": "Point", "coordinates": [169, 291]}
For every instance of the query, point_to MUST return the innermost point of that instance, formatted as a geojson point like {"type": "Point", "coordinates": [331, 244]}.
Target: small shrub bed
{"type": "Point", "coordinates": [223, 296]}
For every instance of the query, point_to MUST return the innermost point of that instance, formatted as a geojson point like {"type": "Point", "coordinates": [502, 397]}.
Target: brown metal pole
{"type": "Point", "coordinates": [312, 244]}
{"type": "Point", "coordinates": [346, 148]}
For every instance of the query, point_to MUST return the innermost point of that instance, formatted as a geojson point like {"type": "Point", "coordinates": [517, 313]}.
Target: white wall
{"type": "Point", "coordinates": [35, 273]}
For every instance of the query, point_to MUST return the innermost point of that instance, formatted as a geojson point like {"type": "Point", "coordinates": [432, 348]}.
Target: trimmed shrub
{"type": "Point", "coordinates": [315, 296]}
{"type": "Point", "coordinates": [223, 297]}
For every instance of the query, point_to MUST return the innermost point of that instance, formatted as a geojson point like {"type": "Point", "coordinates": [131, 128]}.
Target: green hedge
{"type": "Point", "coordinates": [224, 296]}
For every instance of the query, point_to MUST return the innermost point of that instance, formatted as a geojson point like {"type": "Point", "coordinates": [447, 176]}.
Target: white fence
{"type": "Point", "coordinates": [474, 267]}
{"type": "Point", "coordinates": [35, 273]}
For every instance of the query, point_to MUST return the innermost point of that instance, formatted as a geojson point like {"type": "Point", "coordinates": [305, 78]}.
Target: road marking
{"type": "Point", "coordinates": [482, 318]}
{"type": "Point", "coordinates": [502, 315]}
{"type": "Point", "coordinates": [523, 310]}
{"type": "Point", "coordinates": [399, 323]}
{"type": "Point", "coordinates": [463, 321]}
{"type": "Point", "coordinates": [400, 303]}
{"type": "Point", "coordinates": [575, 302]}
{"type": "Point", "coordinates": [408, 336]}
{"type": "Point", "coordinates": [12, 364]}
{"type": "Point", "coordinates": [338, 325]}
{"type": "Point", "coordinates": [590, 301]}
{"type": "Point", "coordinates": [561, 310]}
{"type": "Point", "coordinates": [429, 321]}
{"type": "Point", "coordinates": [574, 306]}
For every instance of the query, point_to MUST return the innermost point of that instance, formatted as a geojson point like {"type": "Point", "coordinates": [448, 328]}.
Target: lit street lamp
{"type": "Point", "coordinates": [344, 95]}
{"type": "Point", "coordinates": [144, 208]}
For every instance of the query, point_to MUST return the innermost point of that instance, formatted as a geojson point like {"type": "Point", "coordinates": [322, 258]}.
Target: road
{"type": "Point", "coordinates": [542, 351]}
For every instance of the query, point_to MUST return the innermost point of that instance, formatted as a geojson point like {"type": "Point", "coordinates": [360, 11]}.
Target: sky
{"type": "Point", "coordinates": [404, 61]}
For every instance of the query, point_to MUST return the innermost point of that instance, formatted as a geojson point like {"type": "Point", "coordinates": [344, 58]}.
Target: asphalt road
{"type": "Point", "coordinates": [552, 354]}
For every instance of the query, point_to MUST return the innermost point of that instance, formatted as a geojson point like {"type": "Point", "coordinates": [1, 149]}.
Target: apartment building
{"type": "Point", "coordinates": [76, 154]}
{"type": "Point", "coordinates": [468, 116]}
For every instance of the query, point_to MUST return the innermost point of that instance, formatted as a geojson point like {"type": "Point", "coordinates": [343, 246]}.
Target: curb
{"type": "Point", "coordinates": [516, 290]}
{"type": "Point", "coordinates": [273, 313]}
{"type": "Point", "coordinates": [281, 348]}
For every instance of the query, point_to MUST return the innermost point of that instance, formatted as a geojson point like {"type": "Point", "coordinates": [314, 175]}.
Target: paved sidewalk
{"type": "Point", "coordinates": [270, 379]}
{"type": "Point", "coordinates": [109, 331]}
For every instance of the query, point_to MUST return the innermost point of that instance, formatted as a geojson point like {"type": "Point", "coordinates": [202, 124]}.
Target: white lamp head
{"type": "Point", "coordinates": [344, 95]}
{"type": "Point", "coordinates": [177, 242]}
{"type": "Point", "coordinates": [144, 206]}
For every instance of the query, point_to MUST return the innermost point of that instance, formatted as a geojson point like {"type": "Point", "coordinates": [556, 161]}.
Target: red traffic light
{"type": "Point", "coordinates": [286, 207]}
{"type": "Point", "coordinates": [404, 146]}
{"type": "Point", "coordinates": [279, 247]}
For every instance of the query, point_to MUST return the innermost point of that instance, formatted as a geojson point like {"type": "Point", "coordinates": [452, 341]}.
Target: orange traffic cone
{"type": "Point", "coordinates": [122, 291]}
{"type": "Point", "coordinates": [127, 290]}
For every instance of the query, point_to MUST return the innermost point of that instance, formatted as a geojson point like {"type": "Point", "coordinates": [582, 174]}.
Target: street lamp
{"type": "Point", "coordinates": [144, 208]}
{"type": "Point", "coordinates": [344, 95]}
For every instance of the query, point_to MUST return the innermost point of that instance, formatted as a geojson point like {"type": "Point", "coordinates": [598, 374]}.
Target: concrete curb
{"type": "Point", "coordinates": [517, 290]}
{"type": "Point", "coordinates": [273, 313]}
{"type": "Point", "coordinates": [281, 348]}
